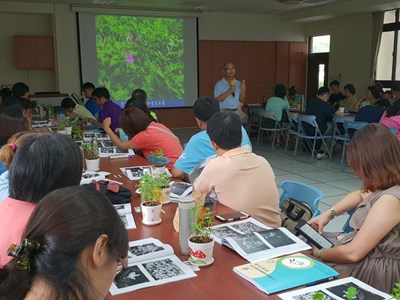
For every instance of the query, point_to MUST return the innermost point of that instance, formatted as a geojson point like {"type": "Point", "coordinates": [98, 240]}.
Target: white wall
{"type": "Point", "coordinates": [246, 27]}
{"type": "Point", "coordinates": [13, 24]}
{"type": "Point", "coordinates": [350, 54]}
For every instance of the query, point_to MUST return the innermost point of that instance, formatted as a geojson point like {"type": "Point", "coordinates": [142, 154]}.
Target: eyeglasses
{"type": "Point", "coordinates": [122, 264]}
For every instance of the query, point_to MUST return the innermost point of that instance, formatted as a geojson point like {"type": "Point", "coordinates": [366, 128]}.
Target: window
{"type": "Point", "coordinates": [320, 44]}
{"type": "Point", "coordinates": [388, 64]}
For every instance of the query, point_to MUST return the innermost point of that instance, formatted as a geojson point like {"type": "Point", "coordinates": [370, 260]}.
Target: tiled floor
{"type": "Point", "coordinates": [332, 179]}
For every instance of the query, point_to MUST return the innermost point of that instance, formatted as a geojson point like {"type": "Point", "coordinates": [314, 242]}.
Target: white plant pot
{"type": "Point", "coordinates": [93, 164]}
{"type": "Point", "coordinates": [201, 254]}
{"type": "Point", "coordinates": [151, 214]}
{"type": "Point", "coordinates": [156, 171]}
{"type": "Point", "coordinates": [68, 130]}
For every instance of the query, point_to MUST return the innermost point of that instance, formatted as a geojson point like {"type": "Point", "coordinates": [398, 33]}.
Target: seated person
{"type": "Point", "coordinates": [372, 113]}
{"type": "Point", "coordinates": [391, 117]}
{"type": "Point", "coordinates": [323, 111]}
{"type": "Point", "coordinates": [294, 98]}
{"type": "Point", "coordinates": [64, 259]}
{"type": "Point", "coordinates": [91, 105]}
{"type": "Point", "coordinates": [7, 153]}
{"type": "Point", "coordinates": [78, 110]}
{"type": "Point", "coordinates": [371, 252]}
{"type": "Point", "coordinates": [11, 123]}
{"type": "Point", "coordinates": [350, 102]}
{"type": "Point", "coordinates": [145, 135]}
{"type": "Point", "coordinates": [140, 95]}
{"type": "Point", "coordinates": [43, 163]}
{"type": "Point", "coordinates": [336, 95]}
{"type": "Point", "coordinates": [108, 108]}
{"type": "Point", "coordinates": [20, 90]}
{"type": "Point", "coordinates": [279, 106]}
{"type": "Point", "coordinates": [199, 148]}
{"type": "Point", "coordinates": [241, 180]}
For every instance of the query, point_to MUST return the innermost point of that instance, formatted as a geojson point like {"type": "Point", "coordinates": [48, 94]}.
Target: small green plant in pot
{"type": "Point", "coordinates": [154, 188]}
{"type": "Point", "coordinates": [159, 161]}
{"type": "Point", "coordinates": [91, 154]}
{"type": "Point", "coordinates": [201, 245]}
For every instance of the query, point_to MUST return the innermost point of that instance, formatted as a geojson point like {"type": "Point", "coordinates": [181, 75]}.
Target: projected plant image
{"type": "Point", "coordinates": [137, 52]}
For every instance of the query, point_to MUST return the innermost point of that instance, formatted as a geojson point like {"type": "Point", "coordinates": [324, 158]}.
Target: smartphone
{"type": "Point", "coordinates": [313, 236]}
{"type": "Point", "coordinates": [232, 216]}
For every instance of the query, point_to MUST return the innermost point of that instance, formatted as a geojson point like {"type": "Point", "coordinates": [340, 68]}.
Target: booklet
{"type": "Point", "coordinates": [125, 212]}
{"type": "Point", "coordinates": [279, 274]}
{"type": "Point", "coordinates": [179, 190]}
{"type": "Point", "coordinates": [108, 149]}
{"type": "Point", "coordinates": [150, 263]}
{"type": "Point", "coordinates": [89, 176]}
{"type": "Point", "coordinates": [89, 135]}
{"type": "Point", "coordinates": [134, 173]}
{"type": "Point", "coordinates": [336, 290]}
{"type": "Point", "coordinates": [253, 240]}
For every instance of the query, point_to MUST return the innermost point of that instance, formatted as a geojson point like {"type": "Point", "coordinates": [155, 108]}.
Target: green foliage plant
{"type": "Point", "coordinates": [151, 186]}
{"type": "Point", "coordinates": [396, 291]}
{"type": "Point", "coordinates": [202, 224]}
{"type": "Point", "coordinates": [140, 52]}
{"type": "Point", "coordinates": [91, 150]}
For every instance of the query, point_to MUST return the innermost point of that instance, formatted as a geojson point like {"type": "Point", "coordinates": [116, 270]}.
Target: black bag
{"type": "Point", "coordinates": [292, 212]}
{"type": "Point", "coordinates": [116, 193]}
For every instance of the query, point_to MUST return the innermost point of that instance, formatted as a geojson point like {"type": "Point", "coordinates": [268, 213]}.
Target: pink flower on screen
{"type": "Point", "coordinates": [136, 39]}
{"type": "Point", "coordinates": [129, 58]}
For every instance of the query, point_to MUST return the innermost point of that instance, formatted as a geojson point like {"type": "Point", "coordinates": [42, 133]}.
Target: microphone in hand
{"type": "Point", "coordinates": [232, 83]}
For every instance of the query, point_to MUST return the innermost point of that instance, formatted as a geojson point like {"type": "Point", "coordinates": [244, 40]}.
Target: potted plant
{"type": "Point", "coordinates": [91, 155]}
{"type": "Point", "coordinates": [158, 160]}
{"type": "Point", "coordinates": [155, 187]}
{"type": "Point", "coordinates": [201, 245]}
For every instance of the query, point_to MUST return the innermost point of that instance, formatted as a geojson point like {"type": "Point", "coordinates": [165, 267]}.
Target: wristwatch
{"type": "Point", "coordinates": [333, 212]}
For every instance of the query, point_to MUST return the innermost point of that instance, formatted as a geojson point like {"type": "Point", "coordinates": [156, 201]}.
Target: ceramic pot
{"type": "Point", "coordinates": [93, 164]}
{"type": "Point", "coordinates": [151, 212]}
{"type": "Point", "coordinates": [201, 253]}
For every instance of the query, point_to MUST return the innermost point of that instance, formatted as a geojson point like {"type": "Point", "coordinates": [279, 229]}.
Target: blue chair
{"type": "Point", "coordinates": [311, 120]}
{"type": "Point", "coordinates": [339, 134]}
{"type": "Point", "coordinates": [346, 227]}
{"type": "Point", "coordinates": [350, 129]}
{"type": "Point", "coordinates": [269, 124]}
{"type": "Point", "coordinates": [303, 193]}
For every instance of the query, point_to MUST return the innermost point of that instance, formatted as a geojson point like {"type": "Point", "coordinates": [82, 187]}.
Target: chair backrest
{"type": "Point", "coordinates": [338, 124]}
{"type": "Point", "coordinates": [311, 122]}
{"type": "Point", "coordinates": [293, 125]}
{"type": "Point", "coordinates": [346, 227]}
{"type": "Point", "coordinates": [301, 192]}
{"type": "Point", "coordinates": [351, 127]}
{"type": "Point", "coordinates": [268, 121]}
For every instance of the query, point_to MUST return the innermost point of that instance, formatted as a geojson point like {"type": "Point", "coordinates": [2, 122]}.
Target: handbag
{"type": "Point", "coordinates": [116, 193]}
{"type": "Point", "coordinates": [292, 212]}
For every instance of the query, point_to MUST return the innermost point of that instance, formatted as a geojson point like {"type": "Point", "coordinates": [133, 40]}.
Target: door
{"type": "Point", "coordinates": [317, 74]}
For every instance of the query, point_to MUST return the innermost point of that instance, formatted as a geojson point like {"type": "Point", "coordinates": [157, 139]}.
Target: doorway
{"type": "Point", "coordinates": [317, 73]}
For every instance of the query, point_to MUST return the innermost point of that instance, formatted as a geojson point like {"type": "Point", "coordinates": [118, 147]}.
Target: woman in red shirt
{"type": "Point", "coordinates": [145, 135]}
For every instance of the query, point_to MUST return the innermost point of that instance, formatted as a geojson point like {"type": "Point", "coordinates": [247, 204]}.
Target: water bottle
{"type": "Point", "coordinates": [60, 120]}
{"type": "Point", "coordinates": [185, 223]}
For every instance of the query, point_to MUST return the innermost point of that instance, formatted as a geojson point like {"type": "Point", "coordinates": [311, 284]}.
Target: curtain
{"type": "Point", "coordinates": [377, 23]}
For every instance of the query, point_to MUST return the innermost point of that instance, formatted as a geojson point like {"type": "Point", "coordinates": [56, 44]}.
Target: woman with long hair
{"type": "Point", "coordinates": [371, 251]}
{"type": "Point", "coordinates": [65, 251]}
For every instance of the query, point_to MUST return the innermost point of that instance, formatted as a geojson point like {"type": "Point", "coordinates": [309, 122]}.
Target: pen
{"type": "Point", "coordinates": [321, 281]}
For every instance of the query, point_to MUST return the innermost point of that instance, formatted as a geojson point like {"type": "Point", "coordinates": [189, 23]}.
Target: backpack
{"type": "Point", "coordinates": [113, 191]}
{"type": "Point", "coordinates": [292, 212]}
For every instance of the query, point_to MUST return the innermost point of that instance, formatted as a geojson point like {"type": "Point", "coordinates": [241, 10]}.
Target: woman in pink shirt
{"type": "Point", "coordinates": [66, 252]}
{"type": "Point", "coordinates": [42, 163]}
{"type": "Point", "coordinates": [391, 117]}
{"type": "Point", "coordinates": [145, 135]}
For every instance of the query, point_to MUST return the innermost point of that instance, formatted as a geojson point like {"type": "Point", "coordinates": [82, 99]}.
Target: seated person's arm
{"type": "Point", "coordinates": [114, 138]}
{"type": "Point", "coordinates": [93, 121]}
{"type": "Point", "coordinates": [382, 218]}
{"type": "Point", "coordinates": [178, 173]}
{"type": "Point", "coordinates": [348, 202]}
{"type": "Point", "coordinates": [221, 95]}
